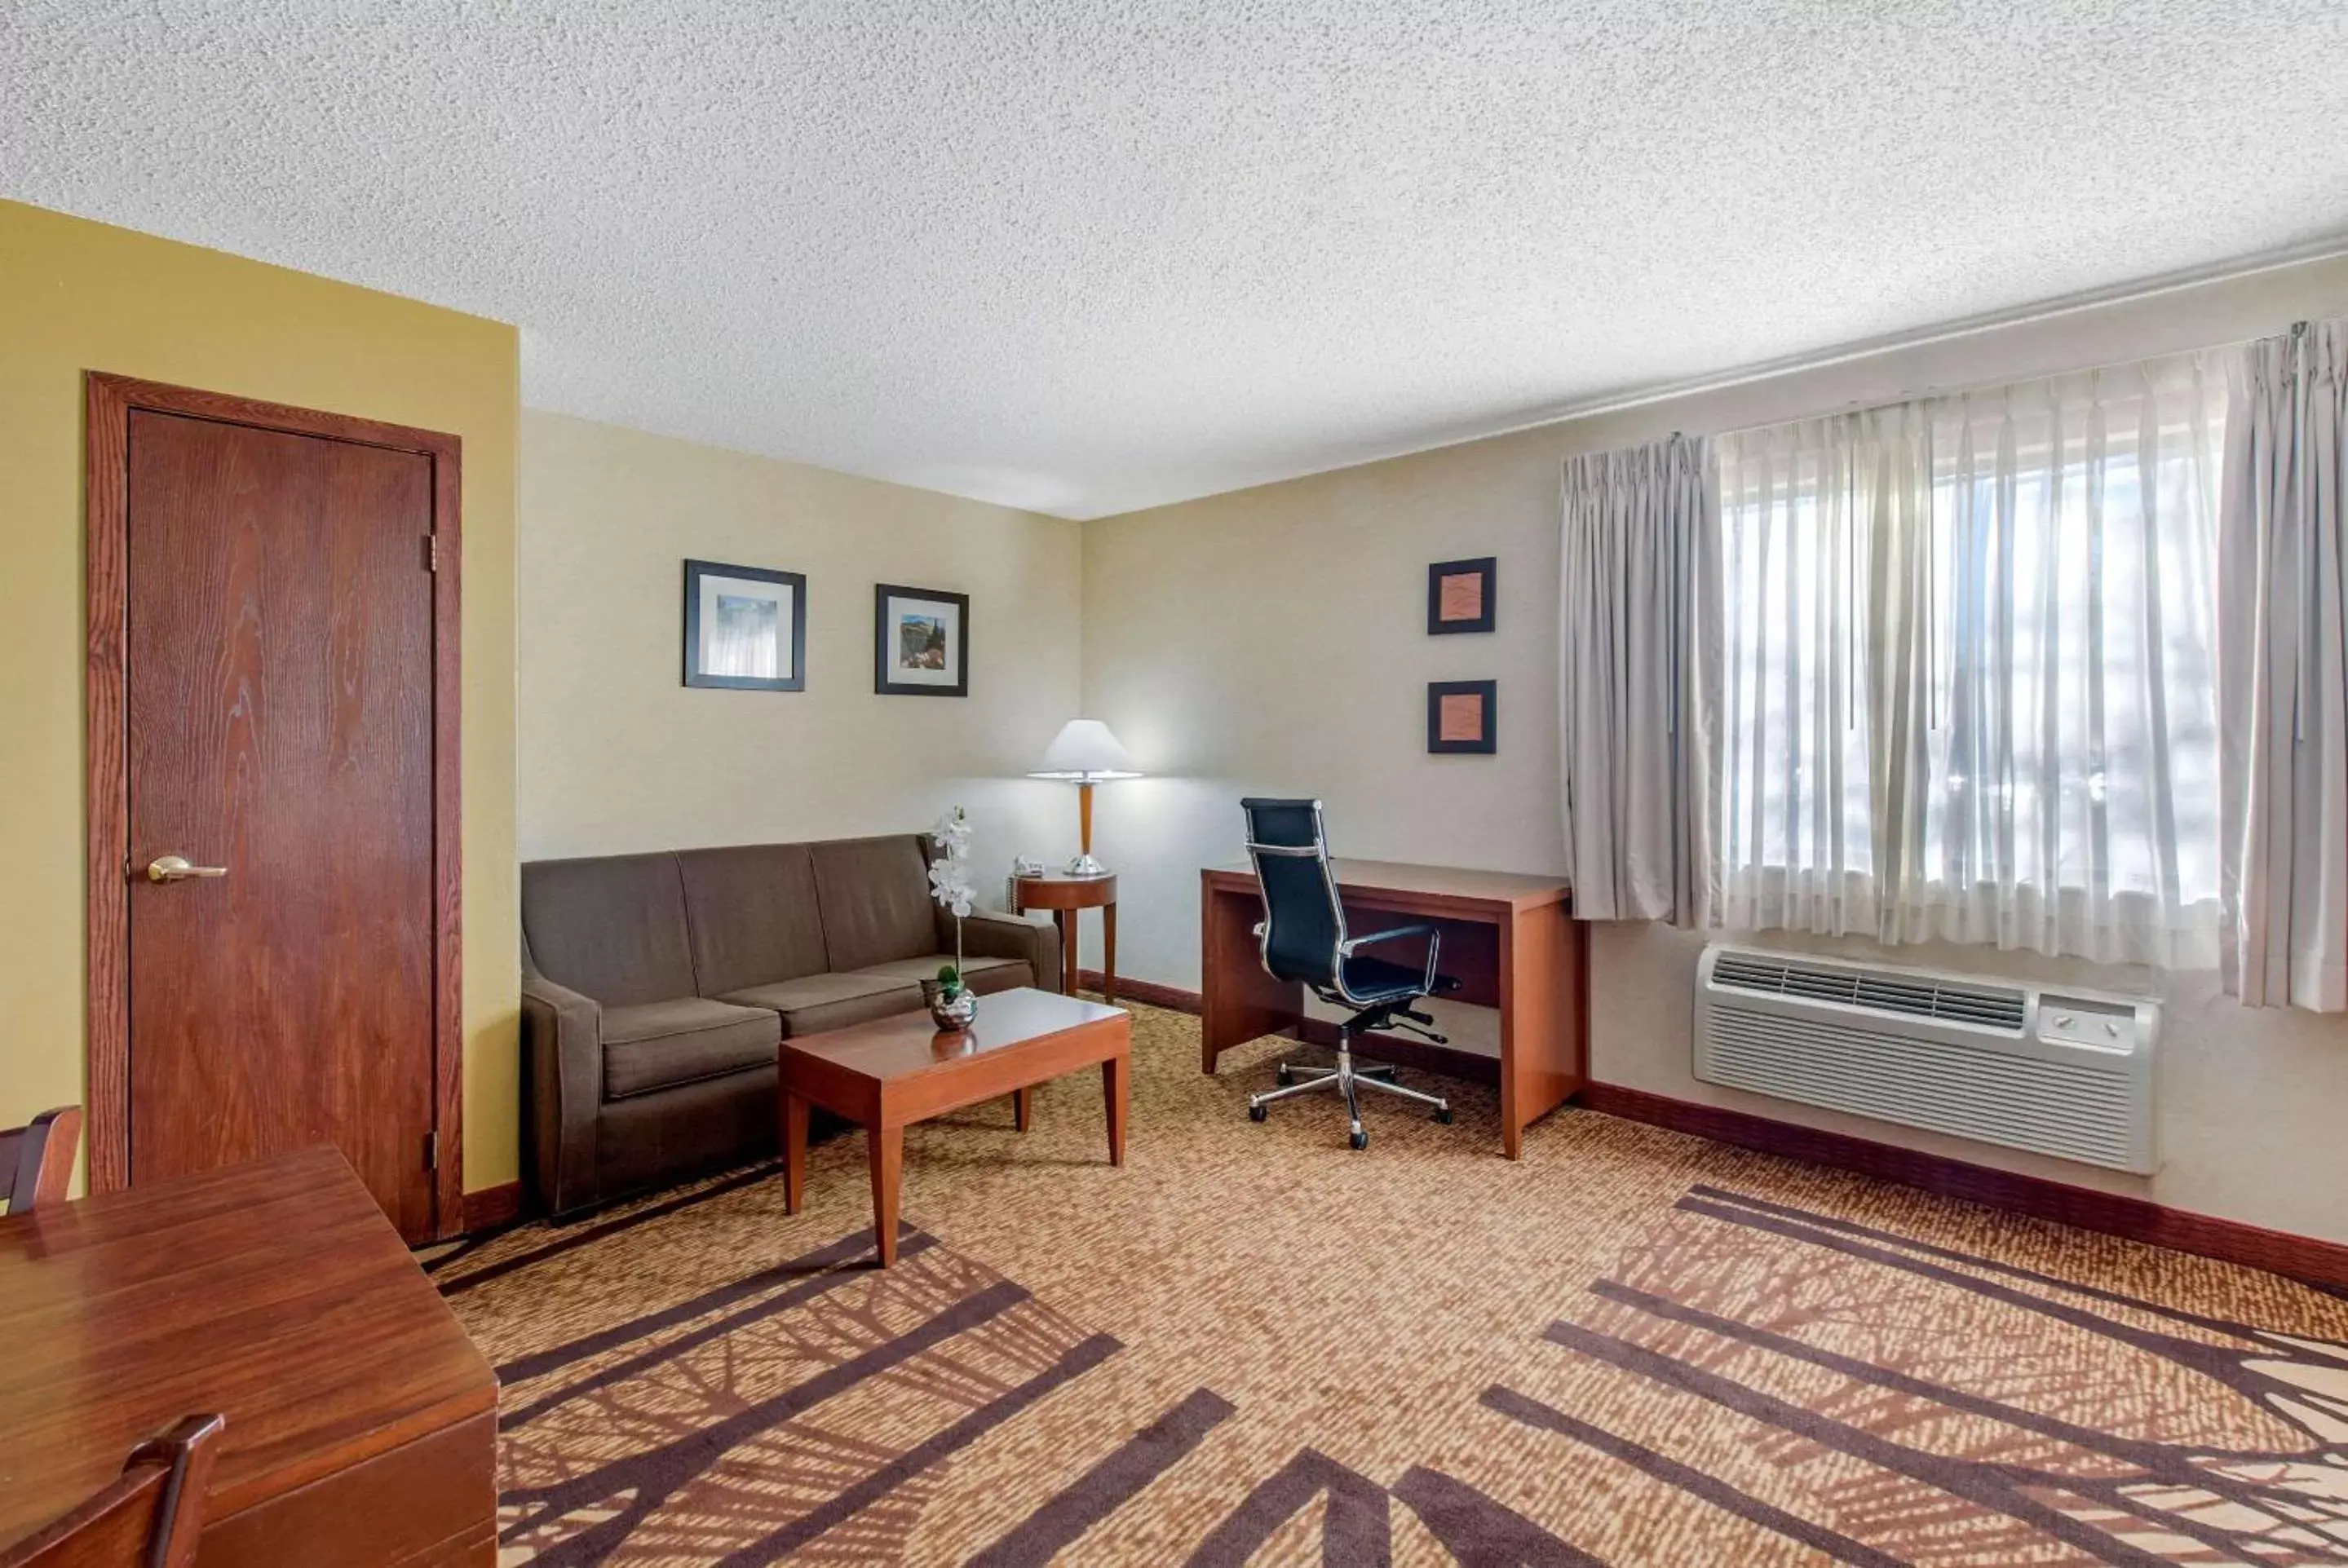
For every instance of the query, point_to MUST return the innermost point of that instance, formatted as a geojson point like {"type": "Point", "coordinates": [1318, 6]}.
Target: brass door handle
{"type": "Point", "coordinates": [175, 868]}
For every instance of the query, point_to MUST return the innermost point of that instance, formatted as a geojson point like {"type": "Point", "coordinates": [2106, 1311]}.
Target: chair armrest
{"type": "Point", "coordinates": [1390, 934]}
{"type": "Point", "coordinates": [562, 1054]}
{"type": "Point", "coordinates": [985, 935]}
{"type": "Point", "coordinates": [1394, 932]}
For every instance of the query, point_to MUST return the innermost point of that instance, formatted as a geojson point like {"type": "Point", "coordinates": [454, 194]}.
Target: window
{"type": "Point", "coordinates": [1969, 656]}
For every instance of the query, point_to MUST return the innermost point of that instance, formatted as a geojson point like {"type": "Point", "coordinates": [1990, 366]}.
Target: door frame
{"type": "Point", "coordinates": [110, 400]}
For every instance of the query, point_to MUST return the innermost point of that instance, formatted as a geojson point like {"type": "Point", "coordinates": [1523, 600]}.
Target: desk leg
{"type": "Point", "coordinates": [887, 1146]}
{"type": "Point", "coordinates": [1238, 1001]}
{"type": "Point", "coordinates": [1023, 1107]}
{"type": "Point", "coordinates": [1109, 953]}
{"type": "Point", "coordinates": [1544, 1017]}
{"type": "Point", "coordinates": [1116, 1076]}
{"type": "Point", "coordinates": [794, 1142]}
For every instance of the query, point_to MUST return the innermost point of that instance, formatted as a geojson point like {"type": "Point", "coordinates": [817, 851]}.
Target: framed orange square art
{"type": "Point", "coordinates": [1463, 716]}
{"type": "Point", "coordinates": [1459, 595]}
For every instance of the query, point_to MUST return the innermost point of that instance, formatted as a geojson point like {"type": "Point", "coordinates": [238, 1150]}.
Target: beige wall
{"type": "Point", "coordinates": [1274, 640]}
{"type": "Point", "coordinates": [76, 296]}
{"type": "Point", "coordinates": [617, 755]}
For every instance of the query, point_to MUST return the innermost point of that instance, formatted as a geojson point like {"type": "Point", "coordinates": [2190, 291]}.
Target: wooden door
{"type": "Point", "coordinates": [280, 716]}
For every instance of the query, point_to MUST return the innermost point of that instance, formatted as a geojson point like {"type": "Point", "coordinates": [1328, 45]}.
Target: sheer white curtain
{"type": "Point", "coordinates": [1971, 669]}
{"type": "Point", "coordinates": [1812, 514]}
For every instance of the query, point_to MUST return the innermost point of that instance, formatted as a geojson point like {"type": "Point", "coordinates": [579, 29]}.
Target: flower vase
{"type": "Point", "coordinates": [951, 1007]}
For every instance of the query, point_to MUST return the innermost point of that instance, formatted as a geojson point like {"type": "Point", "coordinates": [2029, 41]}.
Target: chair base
{"type": "Point", "coordinates": [1348, 1081]}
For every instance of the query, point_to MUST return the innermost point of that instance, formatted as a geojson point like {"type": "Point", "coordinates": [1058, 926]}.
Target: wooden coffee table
{"type": "Point", "coordinates": [896, 1071]}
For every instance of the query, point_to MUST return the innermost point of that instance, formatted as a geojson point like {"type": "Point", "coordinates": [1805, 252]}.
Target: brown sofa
{"type": "Point", "coordinates": [655, 987]}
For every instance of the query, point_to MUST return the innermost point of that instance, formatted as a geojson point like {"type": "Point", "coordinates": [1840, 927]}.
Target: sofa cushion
{"type": "Point", "coordinates": [751, 915]}
{"type": "Point", "coordinates": [814, 1003]}
{"type": "Point", "coordinates": [986, 975]}
{"type": "Point", "coordinates": [657, 1045]}
{"type": "Point", "coordinates": [875, 898]}
{"type": "Point", "coordinates": [612, 927]}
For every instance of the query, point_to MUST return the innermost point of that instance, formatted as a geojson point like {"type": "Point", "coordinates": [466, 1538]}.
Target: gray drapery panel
{"type": "Point", "coordinates": [2284, 672]}
{"type": "Point", "coordinates": [1638, 678]}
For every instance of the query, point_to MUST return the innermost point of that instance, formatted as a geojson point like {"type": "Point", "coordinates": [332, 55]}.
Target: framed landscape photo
{"type": "Point", "coordinates": [745, 628]}
{"type": "Point", "coordinates": [1463, 716]}
{"type": "Point", "coordinates": [921, 642]}
{"type": "Point", "coordinates": [1459, 595]}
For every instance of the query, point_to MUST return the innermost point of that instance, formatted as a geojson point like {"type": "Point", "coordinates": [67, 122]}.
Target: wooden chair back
{"type": "Point", "coordinates": [36, 1159]}
{"type": "Point", "coordinates": [148, 1517]}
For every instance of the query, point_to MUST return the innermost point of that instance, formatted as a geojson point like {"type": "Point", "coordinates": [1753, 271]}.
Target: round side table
{"type": "Point", "coordinates": [1064, 895]}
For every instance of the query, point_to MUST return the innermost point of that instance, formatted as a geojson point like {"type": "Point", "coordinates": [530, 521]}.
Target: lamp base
{"type": "Point", "coordinates": [1085, 866]}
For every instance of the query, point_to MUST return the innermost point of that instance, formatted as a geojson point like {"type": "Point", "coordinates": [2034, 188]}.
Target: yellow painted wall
{"type": "Point", "coordinates": [76, 296]}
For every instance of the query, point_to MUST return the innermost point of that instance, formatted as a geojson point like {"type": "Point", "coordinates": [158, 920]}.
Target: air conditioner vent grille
{"type": "Point", "coordinates": [2062, 1073]}
{"type": "Point", "coordinates": [1990, 1007]}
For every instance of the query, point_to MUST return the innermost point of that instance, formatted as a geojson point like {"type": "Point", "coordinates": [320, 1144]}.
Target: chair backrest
{"type": "Point", "coordinates": [1303, 921]}
{"type": "Point", "coordinates": [36, 1159]}
{"type": "Point", "coordinates": [150, 1515]}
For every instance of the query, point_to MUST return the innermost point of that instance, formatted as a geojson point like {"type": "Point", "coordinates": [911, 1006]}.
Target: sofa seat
{"type": "Point", "coordinates": [814, 1003]}
{"type": "Point", "coordinates": [659, 1045]}
{"type": "Point", "coordinates": [986, 975]}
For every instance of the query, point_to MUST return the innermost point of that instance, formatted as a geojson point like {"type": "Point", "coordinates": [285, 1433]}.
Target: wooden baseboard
{"type": "Point", "coordinates": [2322, 1263]}
{"type": "Point", "coordinates": [1148, 991]}
{"type": "Point", "coordinates": [490, 1207]}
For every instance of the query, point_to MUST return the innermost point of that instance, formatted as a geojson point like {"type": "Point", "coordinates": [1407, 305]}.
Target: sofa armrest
{"type": "Point", "coordinates": [562, 1053]}
{"type": "Point", "coordinates": [985, 935]}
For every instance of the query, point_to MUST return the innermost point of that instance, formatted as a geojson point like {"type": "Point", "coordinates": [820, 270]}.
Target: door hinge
{"type": "Point", "coordinates": [432, 1151]}
{"type": "Point", "coordinates": [432, 552]}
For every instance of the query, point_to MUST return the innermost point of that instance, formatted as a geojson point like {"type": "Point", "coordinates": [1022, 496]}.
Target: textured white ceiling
{"type": "Point", "coordinates": [1086, 255]}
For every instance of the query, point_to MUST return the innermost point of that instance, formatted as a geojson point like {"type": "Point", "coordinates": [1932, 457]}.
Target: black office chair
{"type": "Point", "coordinates": [1302, 938]}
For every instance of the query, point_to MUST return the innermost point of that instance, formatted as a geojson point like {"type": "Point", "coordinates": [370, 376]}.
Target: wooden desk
{"type": "Point", "coordinates": [361, 1423]}
{"type": "Point", "coordinates": [1511, 940]}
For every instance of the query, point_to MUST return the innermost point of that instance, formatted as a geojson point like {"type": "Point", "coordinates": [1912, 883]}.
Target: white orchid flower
{"type": "Point", "coordinates": [950, 881]}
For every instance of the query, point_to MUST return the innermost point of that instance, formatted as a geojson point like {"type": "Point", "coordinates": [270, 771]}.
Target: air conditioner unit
{"type": "Point", "coordinates": [2045, 1068]}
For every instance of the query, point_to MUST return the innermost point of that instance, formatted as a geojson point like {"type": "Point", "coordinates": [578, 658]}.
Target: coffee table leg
{"type": "Point", "coordinates": [794, 1140]}
{"type": "Point", "coordinates": [1116, 1072]}
{"type": "Point", "coordinates": [1023, 1106]}
{"type": "Point", "coordinates": [887, 1145]}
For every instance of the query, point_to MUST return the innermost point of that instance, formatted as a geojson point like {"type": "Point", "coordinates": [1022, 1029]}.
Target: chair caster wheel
{"type": "Point", "coordinates": [1258, 1112]}
{"type": "Point", "coordinates": [1284, 1078]}
{"type": "Point", "coordinates": [1360, 1140]}
{"type": "Point", "coordinates": [1442, 1114]}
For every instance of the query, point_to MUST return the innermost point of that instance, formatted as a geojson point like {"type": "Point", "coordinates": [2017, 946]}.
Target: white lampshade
{"type": "Point", "coordinates": [1084, 751]}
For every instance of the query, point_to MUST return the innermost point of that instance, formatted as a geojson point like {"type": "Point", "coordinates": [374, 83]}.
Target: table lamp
{"type": "Point", "coordinates": [1084, 754]}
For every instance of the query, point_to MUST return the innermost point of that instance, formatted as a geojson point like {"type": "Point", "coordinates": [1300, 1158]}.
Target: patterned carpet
{"type": "Point", "coordinates": [1251, 1345]}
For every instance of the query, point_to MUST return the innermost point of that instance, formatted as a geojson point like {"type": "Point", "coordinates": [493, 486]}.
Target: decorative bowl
{"type": "Point", "coordinates": [950, 1008]}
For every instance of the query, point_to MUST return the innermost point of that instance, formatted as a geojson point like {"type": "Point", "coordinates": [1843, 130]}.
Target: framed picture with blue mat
{"type": "Point", "coordinates": [745, 628]}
